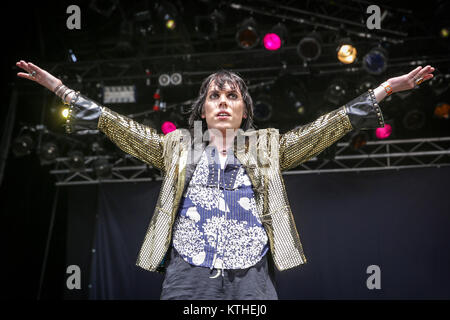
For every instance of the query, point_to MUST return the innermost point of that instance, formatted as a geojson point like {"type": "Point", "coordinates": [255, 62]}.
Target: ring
{"type": "Point", "coordinates": [418, 81]}
{"type": "Point", "coordinates": [33, 73]}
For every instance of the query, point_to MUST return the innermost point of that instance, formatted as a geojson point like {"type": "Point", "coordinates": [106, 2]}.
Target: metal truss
{"type": "Point", "coordinates": [375, 155]}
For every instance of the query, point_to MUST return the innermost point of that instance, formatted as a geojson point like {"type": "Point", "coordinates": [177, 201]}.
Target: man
{"type": "Point", "coordinates": [223, 203]}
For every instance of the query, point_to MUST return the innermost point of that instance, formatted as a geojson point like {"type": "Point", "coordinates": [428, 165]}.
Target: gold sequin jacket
{"type": "Point", "coordinates": [173, 155]}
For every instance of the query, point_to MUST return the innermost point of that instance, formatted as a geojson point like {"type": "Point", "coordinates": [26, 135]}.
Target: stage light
{"type": "Point", "coordinates": [375, 61]}
{"type": "Point", "coordinates": [309, 48]}
{"type": "Point", "coordinates": [102, 168]}
{"type": "Point", "coordinates": [119, 94]}
{"type": "Point", "coordinates": [336, 91]}
{"type": "Point", "coordinates": [176, 78]}
{"type": "Point", "coordinates": [49, 152]}
{"type": "Point", "coordinates": [414, 119]}
{"type": "Point", "coordinates": [65, 112]}
{"type": "Point", "coordinates": [207, 26]}
{"type": "Point", "coordinates": [167, 12]}
{"type": "Point", "coordinates": [346, 52]}
{"type": "Point", "coordinates": [366, 84]}
{"type": "Point", "coordinates": [384, 132]}
{"type": "Point", "coordinates": [164, 80]}
{"type": "Point", "coordinates": [442, 110]}
{"type": "Point", "coordinates": [22, 145]}
{"type": "Point", "coordinates": [276, 38]}
{"type": "Point", "coordinates": [262, 108]}
{"type": "Point", "coordinates": [167, 127]}
{"type": "Point", "coordinates": [359, 140]}
{"type": "Point", "coordinates": [247, 36]}
{"type": "Point", "coordinates": [444, 33]}
{"type": "Point", "coordinates": [72, 56]}
{"type": "Point", "coordinates": [439, 84]}
{"type": "Point", "coordinates": [76, 160]}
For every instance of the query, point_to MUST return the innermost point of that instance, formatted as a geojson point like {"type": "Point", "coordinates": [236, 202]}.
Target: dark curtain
{"type": "Point", "coordinates": [396, 220]}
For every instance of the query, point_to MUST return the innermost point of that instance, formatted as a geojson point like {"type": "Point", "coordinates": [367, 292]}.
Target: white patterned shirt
{"type": "Point", "coordinates": [218, 225]}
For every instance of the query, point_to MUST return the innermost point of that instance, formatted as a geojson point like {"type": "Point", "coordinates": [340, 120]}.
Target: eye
{"type": "Point", "coordinates": [233, 95]}
{"type": "Point", "coordinates": [213, 95]}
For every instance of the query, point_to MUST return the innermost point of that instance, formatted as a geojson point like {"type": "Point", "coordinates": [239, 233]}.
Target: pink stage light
{"type": "Point", "coordinates": [272, 41]}
{"type": "Point", "coordinates": [167, 127]}
{"type": "Point", "coordinates": [385, 132]}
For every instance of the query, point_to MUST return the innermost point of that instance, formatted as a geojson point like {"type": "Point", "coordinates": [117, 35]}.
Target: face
{"type": "Point", "coordinates": [223, 109]}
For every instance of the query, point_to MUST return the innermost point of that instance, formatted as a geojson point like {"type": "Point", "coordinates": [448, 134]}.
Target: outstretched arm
{"type": "Point", "coordinates": [305, 142]}
{"type": "Point", "coordinates": [132, 137]}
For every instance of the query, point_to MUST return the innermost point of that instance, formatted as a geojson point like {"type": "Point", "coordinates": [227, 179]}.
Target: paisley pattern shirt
{"type": "Point", "coordinates": [218, 225]}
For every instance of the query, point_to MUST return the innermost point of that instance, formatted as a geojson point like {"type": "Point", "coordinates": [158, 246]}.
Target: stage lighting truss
{"type": "Point", "coordinates": [369, 156]}
{"type": "Point", "coordinates": [119, 94]}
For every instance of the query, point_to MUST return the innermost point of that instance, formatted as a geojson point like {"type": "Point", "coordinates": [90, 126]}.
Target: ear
{"type": "Point", "coordinates": [244, 116]}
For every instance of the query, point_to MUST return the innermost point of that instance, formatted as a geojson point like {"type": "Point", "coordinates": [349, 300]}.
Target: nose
{"type": "Point", "coordinates": [223, 101]}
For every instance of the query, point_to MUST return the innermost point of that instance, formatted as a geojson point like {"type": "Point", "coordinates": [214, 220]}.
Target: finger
{"type": "Point", "coordinates": [34, 68]}
{"type": "Point", "coordinates": [24, 66]}
{"type": "Point", "coordinates": [26, 76]}
{"type": "Point", "coordinates": [413, 73]}
{"type": "Point", "coordinates": [423, 72]}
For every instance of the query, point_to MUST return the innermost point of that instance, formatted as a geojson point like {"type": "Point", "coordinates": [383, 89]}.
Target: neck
{"type": "Point", "coordinates": [222, 139]}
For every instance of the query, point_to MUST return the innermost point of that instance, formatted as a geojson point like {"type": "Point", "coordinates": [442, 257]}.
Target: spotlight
{"type": "Point", "coordinates": [366, 84]}
{"type": "Point", "coordinates": [442, 110]}
{"type": "Point", "coordinates": [49, 152]}
{"type": "Point", "coordinates": [290, 93]}
{"type": "Point", "coordinates": [336, 91]}
{"type": "Point", "coordinates": [359, 139]}
{"type": "Point", "coordinates": [65, 112]}
{"type": "Point", "coordinates": [164, 80]}
{"type": "Point", "coordinates": [247, 36]}
{"type": "Point", "coordinates": [262, 108]}
{"type": "Point", "coordinates": [207, 26]}
{"type": "Point", "coordinates": [176, 79]}
{"type": "Point", "coordinates": [438, 84]}
{"type": "Point", "coordinates": [119, 94]}
{"type": "Point", "coordinates": [102, 168]}
{"type": "Point", "coordinates": [23, 145]}
{"type": "Point", "coordinates": [167, 127]}
{"type": "Point", "coordinates": [346, 52]}
{"type": "Point", "coordinates": [414, 119]}
{"type": "Point", "coordinates": [104, 7]}
{"type": "Point", "coordinates": [384, 132]}
{"type": "Point", "coordinates": [276, 38]}
{"type": "Point", "coordinates": [309, 48]}
{"type": "Point", "coordinates": [76, 160]}
{"type": "Point", "coordinates": [167, 13]}
{"type": "Point", "coordinates": [444, 32]}
{"type": "Point", "coordinates": [375, 61]}
{"type": "Point", "coordinates": [72, 56]}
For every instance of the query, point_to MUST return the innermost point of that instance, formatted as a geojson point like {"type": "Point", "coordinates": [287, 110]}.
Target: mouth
{"type": "Point", "coordinates": [223, 115]}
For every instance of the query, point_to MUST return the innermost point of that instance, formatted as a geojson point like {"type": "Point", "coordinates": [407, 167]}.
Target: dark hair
{"type": "Point", "coordinates": [221, 78]}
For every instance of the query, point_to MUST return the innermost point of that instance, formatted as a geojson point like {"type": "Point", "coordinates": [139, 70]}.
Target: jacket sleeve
{"type": "Point", "coordinates": [132, 137]}
{"type": "Point", "coordinates": [305, 142]}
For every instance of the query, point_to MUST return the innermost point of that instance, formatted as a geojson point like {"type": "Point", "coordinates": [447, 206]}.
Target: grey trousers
{"type": "Point", "coordinates": [184, 281]}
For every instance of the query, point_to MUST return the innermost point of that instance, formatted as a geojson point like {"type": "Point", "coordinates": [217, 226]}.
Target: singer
{"type": "Point", "coordinates": [222, 221]}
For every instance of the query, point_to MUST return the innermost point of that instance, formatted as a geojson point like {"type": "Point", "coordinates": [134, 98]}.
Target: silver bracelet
{"type": "Point", "coordinates": [67, 92]}
{"type": "Point", "coordinates": [59, 90]}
